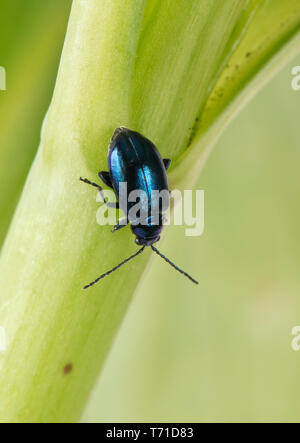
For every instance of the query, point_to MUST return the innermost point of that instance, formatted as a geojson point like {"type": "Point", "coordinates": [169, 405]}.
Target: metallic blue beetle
{"type": "Point", "coordinates": [134, 160]}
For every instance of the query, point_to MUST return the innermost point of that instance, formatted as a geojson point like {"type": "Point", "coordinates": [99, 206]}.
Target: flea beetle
{"type": "Point", "coordinates": [134, 160]}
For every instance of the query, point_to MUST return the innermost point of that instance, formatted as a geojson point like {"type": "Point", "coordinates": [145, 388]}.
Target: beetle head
{"type": "Point", "coordinates": [148, 233]}
{"type": "Point", "coordinates": [146, 241]}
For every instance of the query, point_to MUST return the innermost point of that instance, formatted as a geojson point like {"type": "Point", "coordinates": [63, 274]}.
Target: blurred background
{"type": "Point", "coordinates": [222, 353]}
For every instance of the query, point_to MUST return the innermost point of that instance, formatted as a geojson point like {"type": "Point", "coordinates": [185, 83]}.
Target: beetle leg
{"type": "Point", "coordinates": [105, 177]}
{"type": "Point", "coordinates": [104, 200]}
{"type": "Point", "coordinates": [88, 182]}
{"type": "Point", "coordinates": [167, 162]}
{"type": "Point", "coordinates": [121, 224]}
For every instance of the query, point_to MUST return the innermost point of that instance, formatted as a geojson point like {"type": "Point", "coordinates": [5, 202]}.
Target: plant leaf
{"type": "Point", "coordinates": [272, 39]}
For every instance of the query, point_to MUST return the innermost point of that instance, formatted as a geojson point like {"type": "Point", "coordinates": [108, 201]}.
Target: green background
{"type": "Point", "coordinates": [221, 351]}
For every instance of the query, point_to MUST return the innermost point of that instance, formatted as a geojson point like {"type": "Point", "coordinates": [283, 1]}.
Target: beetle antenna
{"type": "Point", "coordinates": [115, 268]}
{"type": "Point", "coordinates": [174, 266]}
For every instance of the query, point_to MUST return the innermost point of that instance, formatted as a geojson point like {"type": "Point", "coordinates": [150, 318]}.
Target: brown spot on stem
{"type": "Point", "coordinates": [68, 368]}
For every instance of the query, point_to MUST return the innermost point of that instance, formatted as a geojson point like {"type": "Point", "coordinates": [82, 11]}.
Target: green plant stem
{"type": "Point", "coordinates": [52, 323]}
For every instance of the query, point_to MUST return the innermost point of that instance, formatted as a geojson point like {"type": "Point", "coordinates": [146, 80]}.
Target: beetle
{"type": "Point", "coordinates": [134, 160]}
